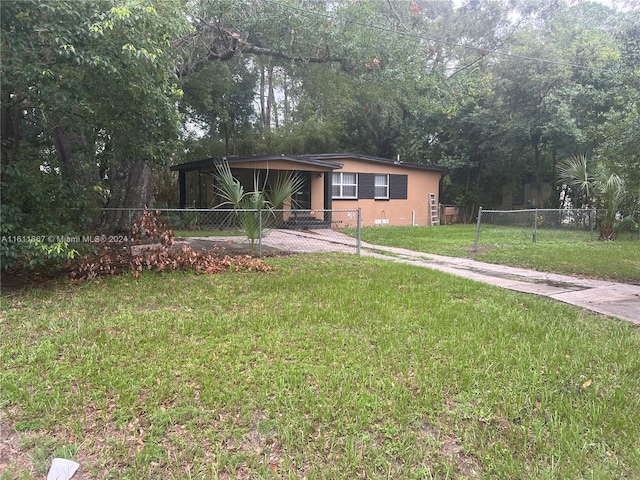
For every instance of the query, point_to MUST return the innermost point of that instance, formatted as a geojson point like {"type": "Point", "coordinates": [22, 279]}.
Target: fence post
{"type": "Point", "coordinates": [592, 221]}
{"type": "Point", "coordinates": [535, 226]}
{"type": "Point", "coordinates": [358, 228]}
{"type": "Point", "coordinates": [259, 233]}
{"type": "Point", "coordinates": [475, 240]}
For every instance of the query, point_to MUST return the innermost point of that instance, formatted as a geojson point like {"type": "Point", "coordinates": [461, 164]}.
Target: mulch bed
{"type": "Point", "coordinates": [231, 248]}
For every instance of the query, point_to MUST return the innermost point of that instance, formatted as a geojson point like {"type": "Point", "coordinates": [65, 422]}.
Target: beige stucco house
{"type": "Point", "coordinates": [388, 192]}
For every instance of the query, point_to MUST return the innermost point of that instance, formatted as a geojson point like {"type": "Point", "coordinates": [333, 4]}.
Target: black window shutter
{"type": "Point", "coordinates": [398, 187]}
{"type": "Point", "coordinates": [366, 183]}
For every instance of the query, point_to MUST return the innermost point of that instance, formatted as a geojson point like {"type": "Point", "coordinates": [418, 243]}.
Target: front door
{"type": "Point", "coordinates": [302, 198]}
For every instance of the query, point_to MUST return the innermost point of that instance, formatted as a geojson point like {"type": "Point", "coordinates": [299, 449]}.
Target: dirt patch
{"type": "Point", "coordinates": [231, 247]}
{"type": "Point", "coordinates": [446, 445]}
{"type": "Point", "coordinates": [13, 458]}
{"type": "Point", "coordinates": [480, 248]}
{"type": "Point", "coordinates": [11, 282]}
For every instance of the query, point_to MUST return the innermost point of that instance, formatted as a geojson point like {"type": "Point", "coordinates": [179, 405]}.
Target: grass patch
{"type": "Point", "coordinates": [571, 254]}
{"type": "Point", "coordinates": [330, 367]}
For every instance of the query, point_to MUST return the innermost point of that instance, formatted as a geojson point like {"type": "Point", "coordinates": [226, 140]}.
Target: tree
{"type": "Point", "coordinates": [44, 192]}
{"type": "Point", "coordinates": [219, 98]}
{"type": "Point", "coordinates": [265, 198]}
{"type": "Point", "coordinates": [497, 90]}
{"type": "Point", "coordinates": [546, 94]}
{"type": "Point", "coordinates": [597, 188]}
{"type": "Point", "coordinates": [93, 73]}
{"type": "Point", "coordinates": [619, 134]}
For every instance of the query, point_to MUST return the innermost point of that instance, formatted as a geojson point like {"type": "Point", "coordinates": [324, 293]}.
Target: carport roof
{"type": "Point", "coordinates": [209, 163]}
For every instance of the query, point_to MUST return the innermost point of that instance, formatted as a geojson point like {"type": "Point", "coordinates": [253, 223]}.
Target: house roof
{"type": "Point", "coordinates": [328, 161]}
{"type": "Point", "coordinates": [367, 158]}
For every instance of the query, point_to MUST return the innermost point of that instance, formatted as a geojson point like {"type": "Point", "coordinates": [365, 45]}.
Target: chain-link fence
{"type": "Point", "coordinates": [261, 231]}
{"type": "Point", "coordinates": [500, 227]}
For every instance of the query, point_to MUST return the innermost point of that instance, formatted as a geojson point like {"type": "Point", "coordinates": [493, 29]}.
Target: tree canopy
{"type": "Point", "coordinates": [99, 97]}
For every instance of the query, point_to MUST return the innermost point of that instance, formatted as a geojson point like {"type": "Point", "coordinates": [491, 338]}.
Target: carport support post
{"type": "Point", "coordinates": [359, 225]}
{"type": "Point", "coordinates": [475, 240]}
{"type": "Point", "coordinates": [259, 233]}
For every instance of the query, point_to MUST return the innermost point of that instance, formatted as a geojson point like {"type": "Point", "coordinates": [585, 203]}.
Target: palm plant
{"type": "Point", "coordinates": [250, 205]}
{"type": "Point", "coordinates": [600, 188]}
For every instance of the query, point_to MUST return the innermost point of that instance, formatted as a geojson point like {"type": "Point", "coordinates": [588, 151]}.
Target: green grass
{"type": "Point", "coordinates": [571, 253]}
{"type": "Point", "coordinates": [329, 367]}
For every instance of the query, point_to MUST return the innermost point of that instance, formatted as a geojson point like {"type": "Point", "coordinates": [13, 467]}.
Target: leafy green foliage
{"type": "Point", "coordinates": [220, 98]}
{"type": "Point", "coordinates": [42, 219]}
{"type": "Point", "coordinates": [600, 188]}
{"type": "Point", "coordinates": [97, 79]}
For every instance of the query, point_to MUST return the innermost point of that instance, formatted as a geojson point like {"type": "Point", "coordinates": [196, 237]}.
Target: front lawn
{"type": "Point", "coordinates": [331, 366]}
{"type": "Point", "coordinates": [571, 253]}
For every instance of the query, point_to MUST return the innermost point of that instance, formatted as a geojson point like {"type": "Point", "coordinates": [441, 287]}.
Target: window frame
{"type": "Point", "coordinates": [385, 186]}
{"type": "Point", "coordinates": [341, 186]}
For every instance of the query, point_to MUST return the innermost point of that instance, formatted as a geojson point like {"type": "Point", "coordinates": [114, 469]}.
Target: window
{"type": "Point", "coordinates": [381, 186]}
{"type": "Point", "coordinates": [344, 185]}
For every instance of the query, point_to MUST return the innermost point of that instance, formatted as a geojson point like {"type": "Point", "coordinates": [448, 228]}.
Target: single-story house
{"type": "Point", "coordinates": [389, 192]}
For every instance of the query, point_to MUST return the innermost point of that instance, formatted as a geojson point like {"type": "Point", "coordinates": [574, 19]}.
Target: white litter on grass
{"type": "Point", "coordinates": [62, 469]}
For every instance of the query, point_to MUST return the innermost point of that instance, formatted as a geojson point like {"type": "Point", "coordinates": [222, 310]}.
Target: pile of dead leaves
{"type": "Point", "coordinates": [153, 247]}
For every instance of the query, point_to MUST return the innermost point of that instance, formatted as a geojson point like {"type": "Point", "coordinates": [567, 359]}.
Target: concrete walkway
{"type": "Point", "coordinates": [608, 298]}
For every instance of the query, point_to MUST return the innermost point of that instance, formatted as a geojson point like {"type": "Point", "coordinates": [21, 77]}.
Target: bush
{"type": "Point", "coordinates": [627, 225]}
{"type": "Point", "coordinates": [39, 213]}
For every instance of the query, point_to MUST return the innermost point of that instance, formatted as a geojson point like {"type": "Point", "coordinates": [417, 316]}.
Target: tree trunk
{"type": "Point", "coordinates": [467, 189]}
{"type": "Point", "coordinates": [554, 201]}
{"type": "Point", "coordinates": [76, 156]}
{"type": "Point", "coordinates": [286, 119]}
{"type": "Point", "coordinates": [536, 170]}
{"type": "Point", "coordinates": [263, 110]}
{"type": "Point", "coordinates": [270, 96]}
{"type": "Point", "coordinates": [4, 135]}
{"type": "Point", "coordinates": [67, 144]}
{"type": "Point", "coordinates": [233, 135]}
{"type": "Point", "coordinates": [10, 117]}
{"type": "Point", "coordinates": [131, 188]}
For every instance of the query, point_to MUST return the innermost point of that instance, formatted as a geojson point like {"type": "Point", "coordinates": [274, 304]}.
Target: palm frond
{"type": "Point", "coordinates": [283, 188]}
{"type": "Point", "coordinates": [228, 187]}
{"type": "Point", "coordinates": [574, 173]}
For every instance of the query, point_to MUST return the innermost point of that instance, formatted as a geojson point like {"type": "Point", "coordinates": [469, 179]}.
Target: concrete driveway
{"type": "Point", "coordinates": [608, 298]}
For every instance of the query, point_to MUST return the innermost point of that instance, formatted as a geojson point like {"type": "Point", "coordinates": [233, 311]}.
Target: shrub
{"type": "Point", "coordinates": [38, 212]}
